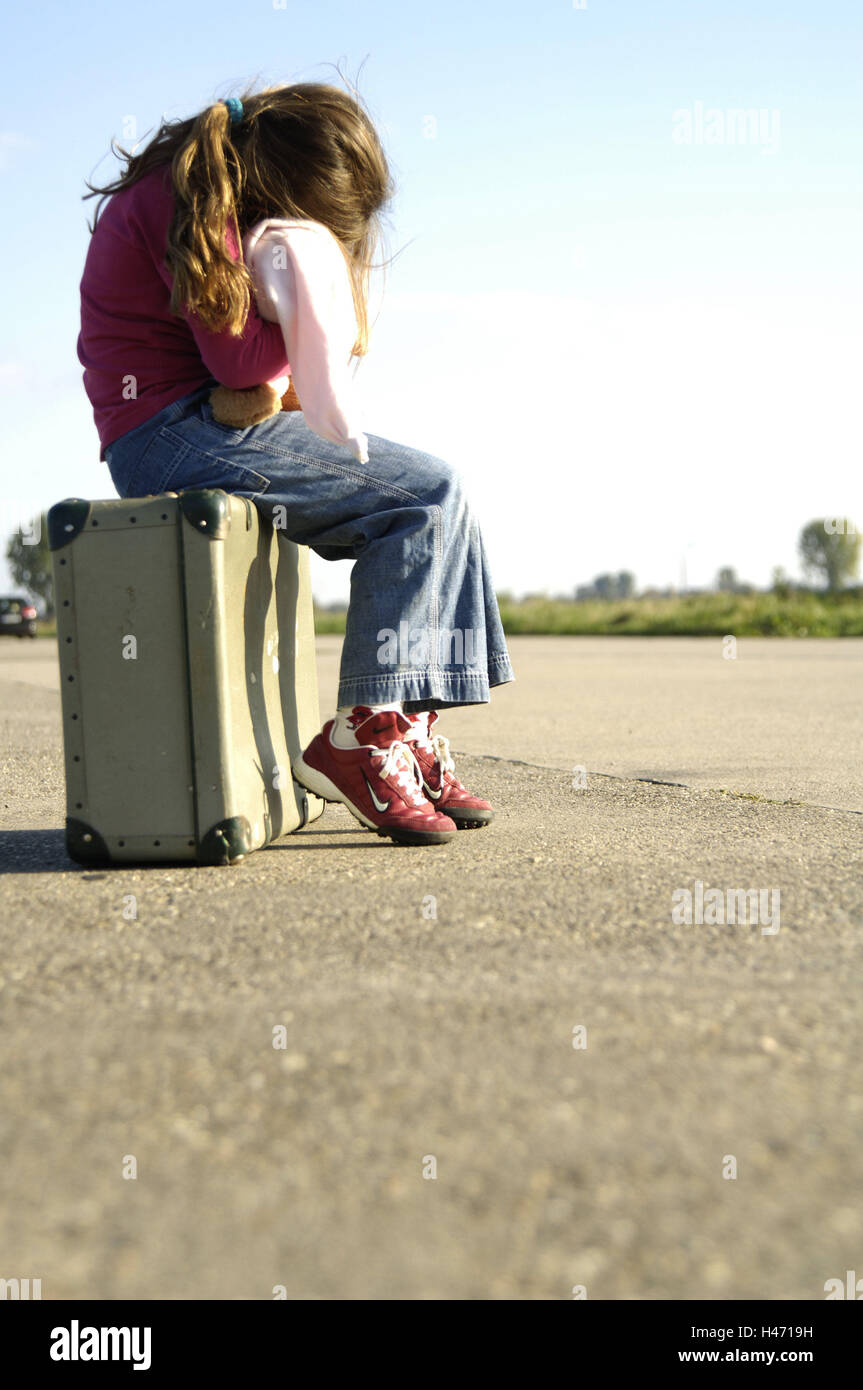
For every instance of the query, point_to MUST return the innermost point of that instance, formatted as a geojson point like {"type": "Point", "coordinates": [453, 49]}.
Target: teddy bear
{"type": "Point", "coordinates": [241, 408]}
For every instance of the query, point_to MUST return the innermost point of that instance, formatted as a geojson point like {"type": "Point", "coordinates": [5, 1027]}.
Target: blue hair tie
{"type": "Point", "coordinates": [235, 109]}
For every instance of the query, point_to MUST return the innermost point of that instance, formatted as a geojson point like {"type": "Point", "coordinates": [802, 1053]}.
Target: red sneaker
{"type": "Point", "coordinates": [442, 788]}
{"type": "Point", "coordinates": [379, 781]}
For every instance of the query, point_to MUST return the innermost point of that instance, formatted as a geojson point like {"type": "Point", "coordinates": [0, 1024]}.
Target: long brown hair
{"type": "Point", "coordinates": [308, 150]}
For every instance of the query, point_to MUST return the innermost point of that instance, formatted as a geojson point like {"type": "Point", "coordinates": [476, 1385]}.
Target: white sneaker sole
{"type": "Point", "coordinates": [317, 782]}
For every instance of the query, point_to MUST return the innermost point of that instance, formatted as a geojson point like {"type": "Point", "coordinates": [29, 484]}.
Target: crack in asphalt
{"type": "Point", "coordinates": [754, 797]}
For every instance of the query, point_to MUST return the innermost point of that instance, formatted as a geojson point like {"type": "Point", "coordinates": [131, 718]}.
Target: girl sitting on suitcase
{"type": "Point", "coordinates": [184, 334]}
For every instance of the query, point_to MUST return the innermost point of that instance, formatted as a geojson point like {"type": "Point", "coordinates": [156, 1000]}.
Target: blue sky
{"type": "Point", "coordinates": [641, 350]}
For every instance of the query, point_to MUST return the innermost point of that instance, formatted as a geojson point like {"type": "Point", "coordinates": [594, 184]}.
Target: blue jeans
{"type": "Point", "coordinates": [423, 624]}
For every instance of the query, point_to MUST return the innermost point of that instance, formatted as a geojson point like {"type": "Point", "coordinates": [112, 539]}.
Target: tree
{"type": "Point", "coordinates": [726, 580]}
{"type": "Point", "coordinates": [30, 565]}
{"type": "Point", "coordinates": [830, 548]}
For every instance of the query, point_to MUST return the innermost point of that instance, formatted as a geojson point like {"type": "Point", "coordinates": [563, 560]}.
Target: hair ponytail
{"type": "Point", "coordinates": [207, 178]}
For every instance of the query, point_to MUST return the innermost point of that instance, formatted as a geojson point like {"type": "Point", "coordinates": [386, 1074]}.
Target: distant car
{"type": "Point", "coordinates": [17, 615]}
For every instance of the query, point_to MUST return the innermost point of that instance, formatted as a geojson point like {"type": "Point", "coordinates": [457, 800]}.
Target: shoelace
{"type": "Point", "coordinates": [437, 743]}
{"type": "Point", "coordinates": [398, 761]}
{"type": "Point", "coordinates": [440, 744]}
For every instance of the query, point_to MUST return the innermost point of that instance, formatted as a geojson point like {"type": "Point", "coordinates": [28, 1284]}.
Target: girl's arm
{"type": "Point", "coordinates": [258, 355]}
{"type": "Point", "coordinates": [302, 284]}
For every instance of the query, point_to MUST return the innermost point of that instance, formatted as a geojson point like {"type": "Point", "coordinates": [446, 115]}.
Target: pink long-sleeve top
{"type": "Point", "coordinates": [137, 356]}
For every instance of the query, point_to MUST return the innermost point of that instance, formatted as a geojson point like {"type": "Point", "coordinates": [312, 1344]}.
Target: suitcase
{"type": "Point", "coordinates": [187, 664]}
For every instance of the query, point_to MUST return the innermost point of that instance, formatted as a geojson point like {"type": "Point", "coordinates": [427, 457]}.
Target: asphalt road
{"type": "Point", "coordinates": [429, 999]}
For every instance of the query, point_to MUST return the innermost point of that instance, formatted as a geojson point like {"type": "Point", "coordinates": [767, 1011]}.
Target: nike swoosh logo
{"type": "Point", "coordinates": [430, 792]}
{"type": "Point", "coordinates": [379, 805]}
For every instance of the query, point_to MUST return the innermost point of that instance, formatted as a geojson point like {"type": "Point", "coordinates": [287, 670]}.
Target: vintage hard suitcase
{"type": "Point", "coordinates": [187, 664]}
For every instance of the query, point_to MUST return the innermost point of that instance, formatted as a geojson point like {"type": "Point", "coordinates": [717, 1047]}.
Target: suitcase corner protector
{"type": "Point", "coordinates": [226, 842]}
{"type": "Point", "coordinates": [206, 510]}
{"type": "Point", "coordinates": [66, 520]}
{"type": "Point", "coordinates": [84, 844]}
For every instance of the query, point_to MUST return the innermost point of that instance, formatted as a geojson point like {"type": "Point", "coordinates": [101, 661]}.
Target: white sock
{"type": "Point", "coordinates": [342, 735]}
{"type": "Point", "coordinates": [420, 721]}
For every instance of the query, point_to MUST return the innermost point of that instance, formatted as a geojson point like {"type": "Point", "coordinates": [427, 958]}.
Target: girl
{"type": "Point", "coordinates": [168, 312]}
